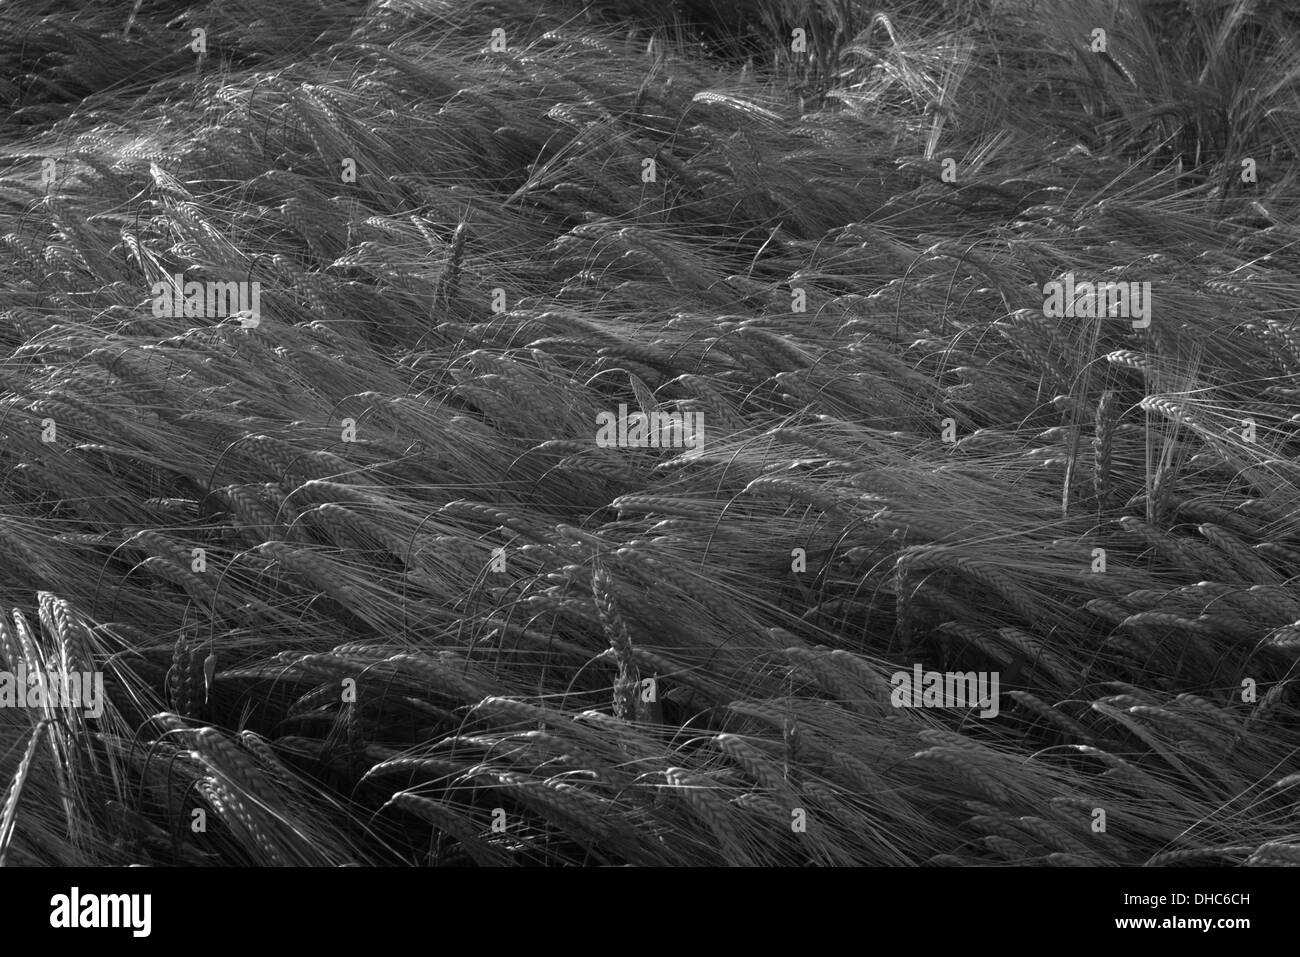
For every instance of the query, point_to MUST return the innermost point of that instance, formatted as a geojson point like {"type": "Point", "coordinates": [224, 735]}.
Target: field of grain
{"type": "Point", "coordinates": [363, 586]}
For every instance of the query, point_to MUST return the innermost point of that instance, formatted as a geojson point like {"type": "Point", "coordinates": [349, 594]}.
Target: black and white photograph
{"type": "Point", "coordinates": [630, 434]}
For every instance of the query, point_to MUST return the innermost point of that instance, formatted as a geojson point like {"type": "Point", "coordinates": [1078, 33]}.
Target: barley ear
{"type": "Point", "coordinates": [625, 683]}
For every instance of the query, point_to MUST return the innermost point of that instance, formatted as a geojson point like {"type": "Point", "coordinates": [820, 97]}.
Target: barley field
{"type": "Point", "coordinates": [495, 433]}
